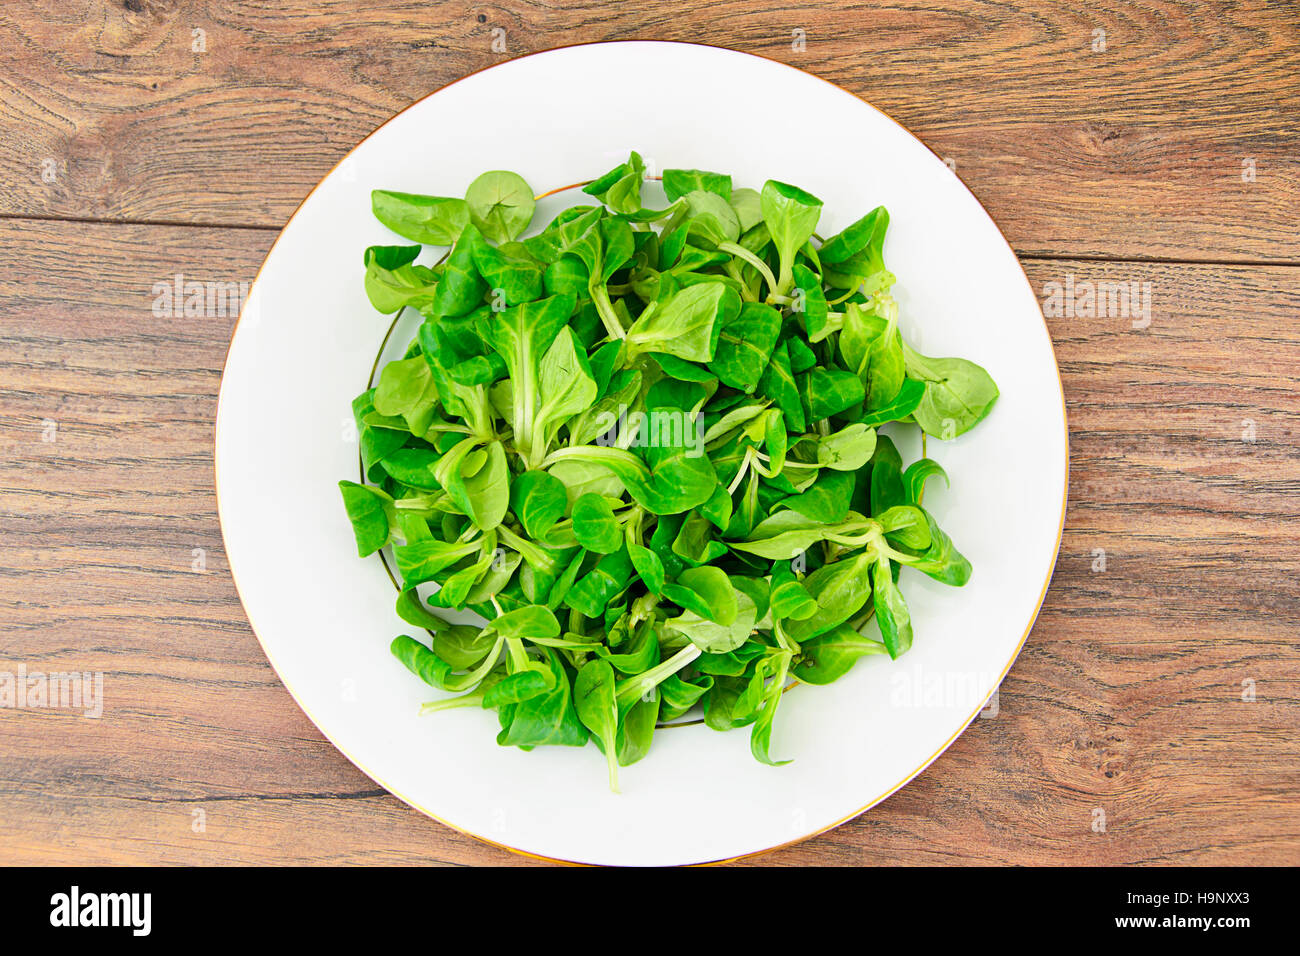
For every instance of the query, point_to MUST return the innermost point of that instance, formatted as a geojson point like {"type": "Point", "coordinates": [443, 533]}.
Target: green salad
{"type": "Point", "coordinates": [643, 445]}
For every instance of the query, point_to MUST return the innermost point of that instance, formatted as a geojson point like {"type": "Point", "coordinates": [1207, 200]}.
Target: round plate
{"type": "Point", "coordinates": [308, 337]}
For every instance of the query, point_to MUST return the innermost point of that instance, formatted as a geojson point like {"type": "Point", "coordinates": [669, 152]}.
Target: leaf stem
{"type": "Point", "coordinates": [741, 252]}
{"type": "Point", "coordinates": [634, 687]}
{"type": "Point", "coordinates": [605, 309]}
{"type": "Point", "coordinates": [599, 454]}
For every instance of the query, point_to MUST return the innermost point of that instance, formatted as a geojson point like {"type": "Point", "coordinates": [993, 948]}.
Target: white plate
{"type": "Point", "coordinates": [304, 347]}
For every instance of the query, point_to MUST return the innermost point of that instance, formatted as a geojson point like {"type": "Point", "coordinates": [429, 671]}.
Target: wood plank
{"type": "Point", "coordinates": [1133, 151]}
{"type": "Point", "coordinates": [1127, 697]}
{"type": "Point", "coordinates": [311, 829]}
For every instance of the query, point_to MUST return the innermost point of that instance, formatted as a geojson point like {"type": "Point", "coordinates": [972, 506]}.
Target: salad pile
{"type": "Point", "coordinates": [643, 445]}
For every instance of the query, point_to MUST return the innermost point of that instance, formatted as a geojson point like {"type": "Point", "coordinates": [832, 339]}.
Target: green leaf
{"type": "Point", "coordinates": [711, 218]}
{"type": "Point", "coordinates": [595, 526]}
{"type": "Point", "coordinates": [405, 387]}
{"type": "Point", "coordinates": [867, 235]}
{"type": "Point", "coordinates": [829, 391]}
{"type": "Point", "coordinates": [874, 351]}
{"type": "Point", "coordinates": [810, 302]}
{"type": "Point", "coordinates": [745, 346]}
{"type": "Point", "coordinates": [899, 407]}
{"type": "Point", "coordinates": [393, 281]}
{"type": "Point", "coordinates": [414, 467]}
{"type": "Point", "coordinates": [906, 526]}
{"type": "Point", "coordinates": [421, 661]}
{"type": "Point", "coordinates": [677, 482]}
{"type": "Point", "coordinates": [516, 688]}
{"type": "Point", "coordinates": [565, 388]}
{"type": "Point", "coordinates": [789, 598]}
{"type": "Point", "coordinates": [915, 475]}
{"type": "Point", "coordinates": [720, 703]}
{"type": "Point", "coordinates": [840, 589]}
{"type": "Point", "coordinates": [636, 730]}
{"type": "Point", "coordinates": [538, 500]}
{"type": "Point", "coordinates": [461, 288]}
{"type": "Point", "coordinates": [847, 449]}
{"type": "Point", "coordinates": [549, 718]}
{"type": "Point", "coordinates": [567, 274]}
{"type": "Point", "coordinates": [526, 623]}
{"type": "Point", "coordinates": [941, 561]}
{"type": "Point", "coordinates": [776, 440]}
{"type": "Point", "coordinates": [791, 217]}
{"type": "Point", "coordinates": [707, 592]}
{"type": "Point", "coordinates": [419, 561]}
{"type": "Point", "coordinates": [802, 357]}
{"type": "Point", "coordinates": [891, 610]}
{"type": "Point", "coordinates": [376, 444]}
{"type": "Point", "coordinates": [521, 336]}
{"type": "Point", "coordinates": [641, 648]}
{"type": "Point", "coordinates": [679, 182]}
{"type": "Point", "coordinates": [463, 646]}
{"type": "Point", "coordinates": [732, 663]}
{"type": "Point", "coordinates": [500, 205]}
{"type": "Point", "coordinates": [455, 591]}
{"type": "Point", "coordinates": [828, 500]}
{"type": "Point", "coordinates": [683, 324]}
{"type": "Point", "coordinates": [580, 477]}
{"type": "Point", "coordinates": [620, 188]}
{"type": "Point", "coordinates": [433, 220]}
{"type": "Point", "coordinates": [478, 370]}
{"type": "Point", "coordinates": [411, 609]}
{"type": "Point", "coordinates": [371, 513]}
{"type": "Point", "coordinates": [593, 697]}
{"type": "Point", "coordinates": [480, 489]}
{"type": "Point", "coordinates": [683, 370]}
{"type": "Point", "coordinates": [648, 566]}
{"type": "Point", "coordinates": [958, 394]}
{"type": "Point", "coordinates": [778, 384]}
{"type": "Point", "coordinates": [592, 594]}
{"type": "Point", "coordinates": [718, 508]}
{"type": "Point", "coordinates": [717, 638]}
{"type": "Point", "coordinates": [786, 534]}
{"type": "Point", "coordinates": [748, 206]}
{"type": "Point", "coordinates": [760, 738]}
{"type": "Point", "coordinates": [678, 696]}
{"type": "Point", "coordinates": [511, 275]}
{"type": "Point", "coordinates": [828, 657]}
{"type": "Point", "coordinates": [694, 542]}
{"type": "Point", "coordinates": [564, 583]}
{"type": "Point", "coordinates": [886, 477]}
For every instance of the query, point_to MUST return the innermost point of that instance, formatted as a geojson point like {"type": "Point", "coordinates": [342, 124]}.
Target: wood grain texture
{"type": "Point", "coordinates": [109, 112]}
{"type": "Point", "coordinates": [1127, 698]}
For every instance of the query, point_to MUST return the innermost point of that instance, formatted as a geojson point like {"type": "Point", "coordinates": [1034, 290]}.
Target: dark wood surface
{"type": "Point", "coordinates": [1124, 164]}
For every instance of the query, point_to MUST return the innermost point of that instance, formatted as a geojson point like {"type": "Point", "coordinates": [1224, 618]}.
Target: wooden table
{"type": "Point", "coordinates": [1153, 714]}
